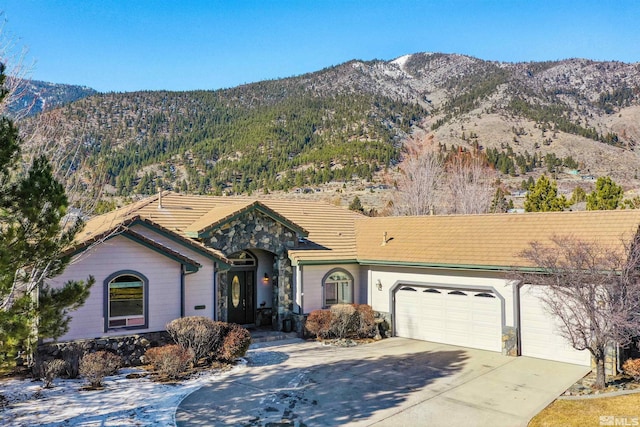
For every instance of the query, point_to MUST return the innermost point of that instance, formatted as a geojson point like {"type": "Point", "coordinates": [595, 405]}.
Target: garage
{"type": "Point", "coordinates": [463, 317]}
{"type": "Point", "coordinates": [539, 332]}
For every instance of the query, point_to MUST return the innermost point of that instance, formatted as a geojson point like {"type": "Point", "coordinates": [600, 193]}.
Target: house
{"type": "Point", "coordinates": [233, 259]}
{"type": "Point", "coordinates": [271, 262]}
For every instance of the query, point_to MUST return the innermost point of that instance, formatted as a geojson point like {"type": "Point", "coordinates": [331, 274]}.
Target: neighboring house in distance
{"type": "Point", "coordinates": [271, 262]}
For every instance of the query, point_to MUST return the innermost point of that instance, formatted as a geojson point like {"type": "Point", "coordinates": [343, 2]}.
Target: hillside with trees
{"type": "Point", "coordinates": [34, 96]}
{"type": "Point", "coordinates": [348, 124]}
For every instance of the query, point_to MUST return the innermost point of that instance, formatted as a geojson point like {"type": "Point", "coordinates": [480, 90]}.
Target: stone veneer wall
{"type": "Point", "coordinates": [130, 347]}
{"type": "Point", "coordinates": [509, 341]}
{"type": "Point", "coordinates": [255, 230]}
{"type": "Point", "coordinates": [383, 321]}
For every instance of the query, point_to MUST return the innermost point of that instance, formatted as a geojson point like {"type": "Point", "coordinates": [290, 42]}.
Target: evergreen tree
{"type": "Point", "coordinates": [356, 205]}
{"type": "Point", "coordinates": [543, 197]}
{"type": "Point", "coordinates": [578, 195]}
{"type": "Point", "coordinates": [499, 202]}
{"type": "Point", "coordinates": [606, 196]}
{"type": "Point", "coordinates": [33, 236]}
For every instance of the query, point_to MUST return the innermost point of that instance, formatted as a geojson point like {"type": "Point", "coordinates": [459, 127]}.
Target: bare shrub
{"type": "Point", "coordinates": [52, 370]}
{"type": "Point", "coordinates": [343, 320]}
{"type": "Point", "coordinates": [632, 367]}
{"type": "Point", "coordinates": [365, 322]}
{"type": "Point", "coordinates": [95, 366]}
{"type": "Point", "coordinates": [199, 334]}
{"type": "Point", "coordinates": [169, 360]}
{"type": "Point", "coordinates": [72, 354]}
{"type": "Point", "coordinates": [319, 323]}
{"type": "Point", "coordinates": [235, 344]}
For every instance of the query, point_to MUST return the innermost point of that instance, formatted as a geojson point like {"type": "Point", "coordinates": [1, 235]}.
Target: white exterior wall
{"type": "Point", "coordinates": [199, 286]}
{"type": "Point", "coordinates": [381, 300]}
{"type": "Point", "coordinates": [312, 276]}
{"type": "Point", "coordinates": [116, 254]}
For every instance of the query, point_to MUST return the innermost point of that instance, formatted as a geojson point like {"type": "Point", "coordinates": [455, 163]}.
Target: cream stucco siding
{"type": "Point", "coordinates": [117, 254]}
{"type": "Point", "coordinates": [312, 276]}
{"type": "Point", "coordinates": [382, 300]}
{"type": "Point", "coordinates": [199, 286]}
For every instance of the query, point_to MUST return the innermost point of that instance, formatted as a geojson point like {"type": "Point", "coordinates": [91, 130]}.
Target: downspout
{"type": "Point", "coordinates": [618, 366]}
{"type": "Point", "coordinates": [215, 291]}
{"type": "Point", "coordinates": [300, 276]}
{"type": "Point", "coordinates": [369, 286]}
{"type": "Point", "coordinates": [182, 289]}
{"type": "Point", "coordinates": [516, 315]}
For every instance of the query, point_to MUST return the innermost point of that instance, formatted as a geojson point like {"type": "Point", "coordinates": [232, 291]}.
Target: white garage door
{"type": "Point", "coordinates": [450, 316]}
{"type": "Point", "coordinates": [539, 332]}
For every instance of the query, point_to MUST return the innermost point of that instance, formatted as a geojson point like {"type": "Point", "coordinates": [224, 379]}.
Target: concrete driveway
{"type": "Point", "coordinates": [393, 382]}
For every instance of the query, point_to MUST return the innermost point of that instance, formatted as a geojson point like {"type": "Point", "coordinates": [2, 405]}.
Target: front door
{"type": "Point", "coordinates": [241, 301]}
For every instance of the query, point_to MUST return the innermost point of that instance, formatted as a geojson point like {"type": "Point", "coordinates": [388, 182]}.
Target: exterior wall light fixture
{"type": "Point", "coordinates": [379, 285]}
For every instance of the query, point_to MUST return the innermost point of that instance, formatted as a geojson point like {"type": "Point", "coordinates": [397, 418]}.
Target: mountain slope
{"type": "Point", "coordinates": [36, 96]}
{"type": "Point", "coordinates": [349, 121]}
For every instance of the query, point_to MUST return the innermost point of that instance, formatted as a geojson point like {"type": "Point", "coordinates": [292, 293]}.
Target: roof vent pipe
{"type": "Point", "coordinates": [159, 198]}
{"type": "Point", "coordinates": [384, 238]}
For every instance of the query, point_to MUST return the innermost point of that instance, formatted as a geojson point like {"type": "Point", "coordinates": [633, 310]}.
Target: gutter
{"type": "Point", "coordinates": [448, 266]}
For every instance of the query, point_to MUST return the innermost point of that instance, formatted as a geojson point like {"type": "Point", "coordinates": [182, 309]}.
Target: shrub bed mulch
{"type": "Point", "coordinates": [584, 387]}
{"type": "Point", "coordinates": [347, 342]}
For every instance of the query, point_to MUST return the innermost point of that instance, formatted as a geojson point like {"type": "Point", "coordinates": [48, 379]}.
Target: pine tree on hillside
{"type": "Point", "coordinates": [607, 195]}
{"type": "Point", "coordinates": [543, 197]}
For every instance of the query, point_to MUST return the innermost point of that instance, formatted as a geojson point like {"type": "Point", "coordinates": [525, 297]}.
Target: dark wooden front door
{"type": "Point", "coordinates": [241, 301]}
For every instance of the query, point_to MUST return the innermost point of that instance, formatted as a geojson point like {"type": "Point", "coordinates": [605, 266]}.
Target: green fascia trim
{"type": "Point", "coordinates": [170, 235]}
{"type": "Point", "coordinates": [326, 262]}
{"type": "Point", "coordinates": [190, 266]}
{"type": "Point", "coordinates": [453, 266]}
{"type": "Point", "coordinates": [254, 206]}
{"type": "Point", "coordinates": [442, 266]}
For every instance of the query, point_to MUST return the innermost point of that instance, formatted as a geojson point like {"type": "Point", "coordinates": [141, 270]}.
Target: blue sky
{"type": "Point", "coordinates": [118, 45]}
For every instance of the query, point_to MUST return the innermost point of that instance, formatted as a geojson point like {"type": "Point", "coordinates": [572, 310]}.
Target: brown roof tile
{"type": "Point", "coordinates": [331, 230]}
{"type": "Point", "coordinates": [493, 241]}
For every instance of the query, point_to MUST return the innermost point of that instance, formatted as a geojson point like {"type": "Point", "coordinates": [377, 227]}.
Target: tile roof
{"type": "Point", "coordinates": [484, 241]}
{"type": "Point", "coordinates": [222, 213]}
{"type": "Point", "coordinates": [338, 235]}
{"type": "Point", "coordinates": [330, 230]}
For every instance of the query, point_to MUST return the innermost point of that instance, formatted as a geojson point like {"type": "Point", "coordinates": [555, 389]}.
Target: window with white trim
{"type": "Point", "coordinates": [338, 288]}
{"type": "Point", "coordinates": [126, 302]}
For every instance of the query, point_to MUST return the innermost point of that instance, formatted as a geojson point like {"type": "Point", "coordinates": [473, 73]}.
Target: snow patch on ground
{"type": "Point", "coordinates": [122, 402]}
{"type": "Point", "coordinates": [400, 61]}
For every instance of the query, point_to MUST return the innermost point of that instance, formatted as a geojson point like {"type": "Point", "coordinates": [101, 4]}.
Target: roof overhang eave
{"type": "Point", "coordinates": [449, 266]}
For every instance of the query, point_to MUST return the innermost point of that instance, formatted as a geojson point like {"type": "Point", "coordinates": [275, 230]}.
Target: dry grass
{"type": "Point", "coordinates": [587, 412]}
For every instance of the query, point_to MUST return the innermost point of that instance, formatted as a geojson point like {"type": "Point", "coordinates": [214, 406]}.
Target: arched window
{"type": "Point", "coordinates": [242, 258]}
{"type": "Point", "coordinates": [126, 300]}
{"type": "Point", "coordinates": [338, 288]}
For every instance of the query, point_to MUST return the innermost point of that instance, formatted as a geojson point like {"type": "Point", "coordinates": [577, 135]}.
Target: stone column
{"type": "Point", "coordinates": [223, 288]}
{"type": "Point", "coordinates": [284, 291]}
